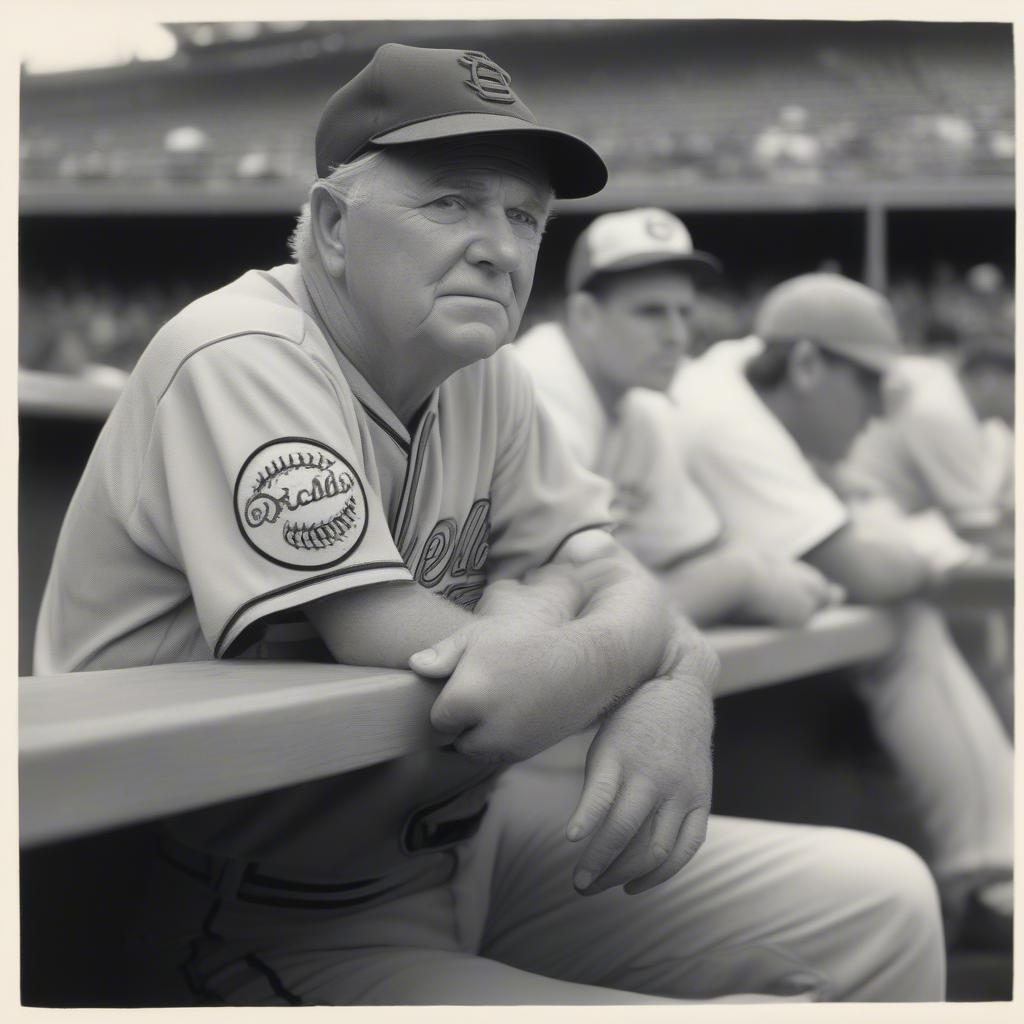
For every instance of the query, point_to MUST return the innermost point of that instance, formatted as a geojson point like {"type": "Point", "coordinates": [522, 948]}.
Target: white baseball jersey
{"type": "Point", "coordinates": [248, 469]}
{"type": "Point", "coordinates": [661, 515]}
{"type": "Point", "coordinates": [765, 490]}
{"type": "Point", "coordinates": [931, 451]}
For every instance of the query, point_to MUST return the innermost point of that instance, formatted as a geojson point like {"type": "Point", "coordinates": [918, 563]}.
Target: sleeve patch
{"type": "Point", "coordinates": [299, 504]}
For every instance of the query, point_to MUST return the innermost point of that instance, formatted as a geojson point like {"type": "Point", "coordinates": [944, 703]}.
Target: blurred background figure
{"type": "Point", "coordinates": [765, 419]}
{"type": "Point", "coordinates": [787, 151]}
{"type": "Point", "coordinates": [602, 373]}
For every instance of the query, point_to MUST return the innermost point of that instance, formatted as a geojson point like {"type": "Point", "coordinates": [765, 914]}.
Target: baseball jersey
{"type": "Point", "coordinates": [762, 485]}
{"type": "Point", "coordinates": [248, 469]}
{"type": "Point", "coordinates": [660, 514]}
{"type": "Point", "coordinates": [931, 451]}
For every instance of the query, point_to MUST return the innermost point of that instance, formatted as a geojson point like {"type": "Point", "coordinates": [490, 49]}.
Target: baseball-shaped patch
{"type": "Point", "coordinates": [300, 504]}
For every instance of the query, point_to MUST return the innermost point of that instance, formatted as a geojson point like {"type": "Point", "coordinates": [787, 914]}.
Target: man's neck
{"type": "Point", "coordinates": [609, 395]}
{"type": "Point", "coordinates": [781, 403]}
{"type": "Point", "coordinates": [403, 392]}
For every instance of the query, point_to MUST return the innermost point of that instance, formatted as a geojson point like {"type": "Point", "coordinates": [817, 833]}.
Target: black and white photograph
{"type": "Point", "coordinates": [515, 512]}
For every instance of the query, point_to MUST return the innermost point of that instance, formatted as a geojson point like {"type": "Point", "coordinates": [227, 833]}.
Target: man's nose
{"type": "Point", "coordinates": [494, 244]}
{"type": "Point", "coordinates": [677, 333]}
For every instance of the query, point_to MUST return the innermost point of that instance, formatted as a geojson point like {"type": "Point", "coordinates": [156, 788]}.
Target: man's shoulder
{"type": "Point", "coordinates": [540, 341]}
{"type": "Point", "coordinates": [254, 304]}
{"type": "Point", "coordinates": [712, 390]}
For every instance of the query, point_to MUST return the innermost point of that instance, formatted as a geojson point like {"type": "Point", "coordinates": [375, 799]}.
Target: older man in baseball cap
{"type": "Point", "coordinates": [764, 418]}
{"type": "Point", "coordinates": [333, 459]}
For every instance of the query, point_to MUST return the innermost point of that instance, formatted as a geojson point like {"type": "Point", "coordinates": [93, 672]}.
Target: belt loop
{"type": "Point", "coordinates": [226, 875]}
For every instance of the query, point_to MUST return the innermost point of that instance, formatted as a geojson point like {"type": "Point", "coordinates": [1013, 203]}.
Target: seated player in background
{"type": "Point", "coordinates": [631, 288]}
{"type": "Point", "coordinates": [940, 461]}
{"type": "Point", "coordinates": [762, 417]}
{"type": "Point", "coordinates": [988, 375]}
{"type": "Point", "coordinates": [334, 459]}
{"type": "Point", "coordinates": [942, 443]}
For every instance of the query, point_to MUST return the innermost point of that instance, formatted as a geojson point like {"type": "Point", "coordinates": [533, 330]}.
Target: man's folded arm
{"type": "Point", "coordinates": [871, 570]}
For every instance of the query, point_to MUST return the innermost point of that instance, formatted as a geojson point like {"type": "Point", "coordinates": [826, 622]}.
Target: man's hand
{"type": "Point", "coordinates": [788, 593]}
{"type": "Point", "coordinates": [647, 788]}
{"type": "Point", "coordinates": [491, 701]}
{"type": "Point", "coordinates": [545, 659]}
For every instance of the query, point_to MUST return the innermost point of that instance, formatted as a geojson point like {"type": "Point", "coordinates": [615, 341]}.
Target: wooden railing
{"type": "Point", "coordinates": [110, 748]}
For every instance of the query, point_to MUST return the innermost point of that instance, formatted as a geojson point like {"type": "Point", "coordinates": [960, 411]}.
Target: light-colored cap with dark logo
{"type": "Point", "coordinates": [839, 315]}
{"type": "Point", "coordinates": [633, 238]}
{"type": "Point", "coordinates": [415, 94]}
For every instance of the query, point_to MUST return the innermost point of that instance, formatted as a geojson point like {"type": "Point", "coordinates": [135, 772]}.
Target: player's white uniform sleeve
{"type": "Point", "coordinates": [766, 492]}
{"type": "Point", "coordinates": [254, 485]}
{"type": "Point", "coordinates": [540, 494]}
{"type": "Point", "coordinates": [663, 517]}
{"type": "Point", "coordinates": [949, 452]}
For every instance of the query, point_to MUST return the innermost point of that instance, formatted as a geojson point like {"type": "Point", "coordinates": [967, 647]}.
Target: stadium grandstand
{"type": "Point", "coordinates": [836, 137]}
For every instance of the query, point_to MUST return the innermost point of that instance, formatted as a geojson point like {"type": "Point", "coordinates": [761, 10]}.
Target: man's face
{"type": "Point", "coordinates": [642, 327]}
{"type": "Point", "coordinates": [440, 250]}
{"type": "Point", "coordinates": [845, 398]}
{"type": "Point", "coordinates": [990, 391]}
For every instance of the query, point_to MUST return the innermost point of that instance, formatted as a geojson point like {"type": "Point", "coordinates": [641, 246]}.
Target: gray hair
{"type": "Point", "coordinates": [347, 183]}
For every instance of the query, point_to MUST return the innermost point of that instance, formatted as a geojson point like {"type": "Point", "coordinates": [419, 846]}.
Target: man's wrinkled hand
{"type": "Point", "coordinates": [488, 704]}
{"type": "Point", "coordinates": [647, 787]}
{"type": "Point", "coordinates": [788, 593]}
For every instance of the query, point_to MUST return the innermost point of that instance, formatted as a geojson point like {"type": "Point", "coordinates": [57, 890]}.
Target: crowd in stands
{"type": "Point", "coordinates": [798, 149]}
{"type": "Point", "coordinates": [795, 148]}
{"type": "Point", "coordinates": [70, 325]}
{"type": "Point", "coordinates": [945, 308]}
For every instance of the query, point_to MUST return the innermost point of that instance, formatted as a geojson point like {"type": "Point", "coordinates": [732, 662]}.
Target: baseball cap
{"type": "Point", "coordinates": [841, 316]}
{"type": "Point", "coordinates": [631, 239]}
{"type": "Point", "coordinates": [415, 93]}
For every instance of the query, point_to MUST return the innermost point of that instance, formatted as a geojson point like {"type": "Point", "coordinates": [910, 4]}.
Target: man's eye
{"type": "Point", "coordinates": [522, 217]}
{"type": "Point", "coordinates": [447, 203]}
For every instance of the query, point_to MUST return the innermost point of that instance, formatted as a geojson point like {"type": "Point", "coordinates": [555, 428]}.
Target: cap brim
{"type": "Point", "coordinates": [575, 168]}
{"type": "Point", "coordinates": [701, 265]}
{"type": "Point", "coordinates": [880, 362]}
{"type": "Point", "coordinates": [702, 262]}
{"type": "Point", "coordinates": [876, 360]}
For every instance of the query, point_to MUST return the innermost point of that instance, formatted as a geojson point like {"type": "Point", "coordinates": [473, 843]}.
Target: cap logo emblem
{"type": "Point", "coordinates": [660, 229]}
{"type": "Point", "coordinates": [487, 79]}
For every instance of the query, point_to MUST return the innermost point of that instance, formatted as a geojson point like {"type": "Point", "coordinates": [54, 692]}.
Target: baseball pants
{"type": "Point", "coordinates": [772, 909]}
{"type": "Point", "coordinates": [937, 724]}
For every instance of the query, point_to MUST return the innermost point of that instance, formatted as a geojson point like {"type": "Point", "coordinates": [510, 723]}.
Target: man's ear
{"type": "Point", "coordinates": [327, 222]}
{"type": "Point", "coordinates": [805, 366]}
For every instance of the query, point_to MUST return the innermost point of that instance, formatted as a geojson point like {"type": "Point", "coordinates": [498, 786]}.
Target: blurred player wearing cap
{"type": "Point", "coordinates": [763, 418]}
{"type": "Point", "coordinates": [631, 284]}
{"type": "Point", "coordinates": [333, 459]}
{"type": "Point", "coordinates": [945, 443]}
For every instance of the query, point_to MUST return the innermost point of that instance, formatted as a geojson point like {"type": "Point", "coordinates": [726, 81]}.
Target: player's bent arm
{"type": "Point", "coordinates": [624, 622]}
{"type": "Point", "coordinates": [385, 624]}
{"type": "Point", "coordinates": [870, 570]}
{"type": "Point", "coordinates": [517, 686]}
{"type": "Point", "coordinates": [711, 587]}
{"type": "Point", "coordinates": [736, 583]}
{"type": "Point", "coordinates": [647, 788]}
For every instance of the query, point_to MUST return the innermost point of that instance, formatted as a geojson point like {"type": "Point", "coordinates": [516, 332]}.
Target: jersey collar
{"type": "Point", "coordinates": [291, 276]}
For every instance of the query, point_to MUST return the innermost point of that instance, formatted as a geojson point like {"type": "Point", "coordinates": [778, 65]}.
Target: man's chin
{"type": "Point", "coordinates": [468, 343]}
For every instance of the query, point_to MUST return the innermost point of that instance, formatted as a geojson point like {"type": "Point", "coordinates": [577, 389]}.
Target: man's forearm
{"type": "Point", "coordinates": [712, 587]}
{"type": "Point", "coordinates": [520, 685]}
{"type": "Point", "coordinates": [384, 625]}
{"type": "Point", "coordinates": [621, 633]}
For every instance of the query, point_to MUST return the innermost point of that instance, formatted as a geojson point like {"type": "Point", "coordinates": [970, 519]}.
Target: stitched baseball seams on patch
{"type": "Point", "coordinates": [300, 504]}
